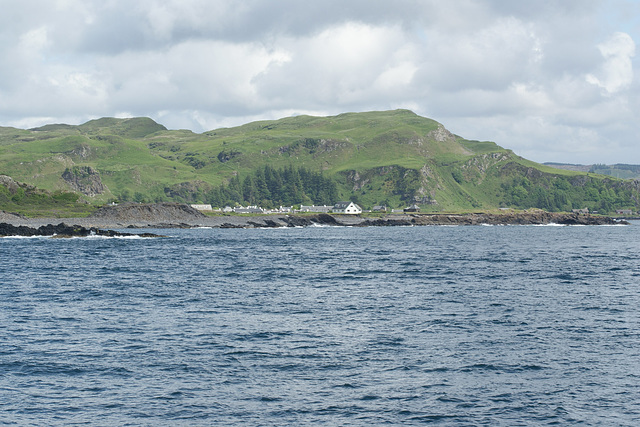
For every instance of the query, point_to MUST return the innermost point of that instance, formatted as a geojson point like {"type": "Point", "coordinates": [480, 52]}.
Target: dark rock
{"type": "Point", "coordinates": [62, 230]}
{"type": "Point", "coordinates": [227, 225]}
{"type": "Point", "coordinates": [325, 219]}
{"type": "Point", "coordinates": [297, 221]}
{"type": "Point", "coordinates": [271, 223]}
{"type": "Point", "coordinates": [385, 222]}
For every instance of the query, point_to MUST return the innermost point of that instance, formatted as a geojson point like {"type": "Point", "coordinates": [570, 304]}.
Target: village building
{"type": "Point", "coordinates": [249, 210]}
{"type": "Point", "coordinates": [347, 208]}
{"type": "Point", "coordinates": [412, 208]}
{"type": "Point", "coordinates": [317, 209]}
{"type": "Point", "coordinates": [202, 207]}
{"type": "Point", "coordinates": [379, 208]}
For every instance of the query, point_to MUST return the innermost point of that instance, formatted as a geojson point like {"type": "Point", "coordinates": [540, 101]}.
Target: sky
{"type": "Point", "coordinates": [552, 80]}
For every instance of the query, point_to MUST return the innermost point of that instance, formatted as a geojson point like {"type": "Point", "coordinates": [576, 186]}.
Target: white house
{"type": "Point", "coordinates": [249, 210]}
{"type": "Point", "coordinates": [313, 208]}
{"type": "Point", "coordinates": [347, 208]}
{"type": "Point", "coordinates": [202, 207]}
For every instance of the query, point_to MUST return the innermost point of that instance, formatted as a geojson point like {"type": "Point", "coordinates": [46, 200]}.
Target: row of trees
{"type": "Point", "coordinates": [561, 194]}
{"type": "Point", "coordinates": [269, 187]}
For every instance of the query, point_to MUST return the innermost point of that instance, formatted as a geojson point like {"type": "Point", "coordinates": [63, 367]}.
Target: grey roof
{"type": "Point", "coordinates": [341, 205]}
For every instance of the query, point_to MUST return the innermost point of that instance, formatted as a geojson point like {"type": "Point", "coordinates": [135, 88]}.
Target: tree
{"type": "Point", "coordinates": [249, 191]}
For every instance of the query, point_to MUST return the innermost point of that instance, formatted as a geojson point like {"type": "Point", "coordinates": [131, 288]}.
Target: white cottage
{"type": "Point", "coordinates": [347, 208]}
{"type": "Point", "coordinates": [202, 207]}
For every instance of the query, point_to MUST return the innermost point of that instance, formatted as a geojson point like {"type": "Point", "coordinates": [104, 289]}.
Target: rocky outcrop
{"type": "Point", "coordinates": [62, 230]}
{"type": "Point", "coordinates": [84, 179]}
{"type": "Point", "coordinates": [148, 213]}
{"type": "Point", "coordinates": [305, 221]}
{"type": "Point", "coordinates": [524, 218]}
{"type": "Point", "coordinates": [440, 134]}
{"type": "Point", "coordinates": [10, 216]}
{"type": "Point", "coordinates": [9, 182]}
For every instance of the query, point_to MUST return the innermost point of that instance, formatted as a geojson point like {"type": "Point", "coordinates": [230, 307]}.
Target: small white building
{"type": "Point", "coordinates": [249, 210]}
{"type": "Point", "coordinates": [347, 208]}
{"type": "Point", "coordinates": [202, 207]}
{"type": "Point", "coordinates": [318, 209]}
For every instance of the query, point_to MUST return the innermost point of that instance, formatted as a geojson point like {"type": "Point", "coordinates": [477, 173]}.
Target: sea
{"type": "Point", "coordinates": [335, 326]}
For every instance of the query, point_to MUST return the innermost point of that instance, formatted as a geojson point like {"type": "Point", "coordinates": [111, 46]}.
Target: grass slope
{"type": "Point", "coordinates": [393, 157]}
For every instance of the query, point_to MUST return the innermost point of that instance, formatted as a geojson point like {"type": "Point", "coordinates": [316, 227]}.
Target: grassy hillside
{"type": "Point", "coordinates": [31, 201]}
{"type": "Point", "coordinates": [618, 170]}
{"type": "Point", "coordinates": [391, 157]}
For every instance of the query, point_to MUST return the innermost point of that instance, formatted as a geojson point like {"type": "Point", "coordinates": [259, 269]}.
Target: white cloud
{"type": "Point", "coordinates": [554, 80]}
{"type": "Point", "coordinates": [617, 71]}
{"type": "Point", "coordinates": [34, 42]}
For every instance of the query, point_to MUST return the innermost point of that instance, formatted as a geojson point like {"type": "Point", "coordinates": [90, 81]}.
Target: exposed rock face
{"type": "Point", "coordinates": [82, 152]}
{"type": "Point", "coordinates": [148, 212]}
{"type": "Point", "coordinates": [62, 230]}
{"type": "Point", "coordinates": [84, 179]}
{"type": "Point", "coordinates": [225, 156]}
{"type": "Point", "coordinates": [9, 216]}
{"type": "Point", "coordinates": [8, 182]}
{"type": "Point", "coordinates": [441, 134]}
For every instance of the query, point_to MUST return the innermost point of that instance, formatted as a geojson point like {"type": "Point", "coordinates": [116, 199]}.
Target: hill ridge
{"type": "Point", "coordinates": [393, 157]}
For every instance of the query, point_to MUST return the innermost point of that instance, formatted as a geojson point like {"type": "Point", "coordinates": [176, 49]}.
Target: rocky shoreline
{"type": "Point", "coordinates": [173, 215]}
{"type": "Point", "coordinates": [63, 230]}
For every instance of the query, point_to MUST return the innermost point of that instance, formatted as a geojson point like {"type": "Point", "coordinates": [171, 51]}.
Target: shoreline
{"type": "Point", "coordinates": [274, 221]}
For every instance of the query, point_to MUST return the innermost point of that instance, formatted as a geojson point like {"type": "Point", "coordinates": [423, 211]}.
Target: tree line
{"type": "Point", "coordinates": [269, 187]}
{"type": "Point", "coordinates": [564, 194]}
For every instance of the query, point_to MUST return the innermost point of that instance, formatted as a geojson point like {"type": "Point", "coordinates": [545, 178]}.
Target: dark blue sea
{"type": "Point", "coordinates": [463, 326]}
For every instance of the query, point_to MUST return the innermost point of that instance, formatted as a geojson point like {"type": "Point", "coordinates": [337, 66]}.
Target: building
{"type": "Point", "coordinates": [412, 208]}
{"type": "Point", "coordinates": [202, 207]}
{"type": "Point", "coordinates": [347, 208]}
{"type": "Point", "coordinates": [318, 209]}
{"type": "Point", "coordinates": [624, 211]}
{"type": "Point", "coordinates": [249, 210]}
{"type": "Point", "coordinates": [379, 208]}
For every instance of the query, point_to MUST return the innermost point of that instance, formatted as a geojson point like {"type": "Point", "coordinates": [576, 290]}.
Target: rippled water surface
{"type": "Point", "coordinates": [328, 326]}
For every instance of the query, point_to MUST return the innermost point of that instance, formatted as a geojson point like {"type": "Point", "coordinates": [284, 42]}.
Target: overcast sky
{"type": "Point", "coordinates": [553, 80]}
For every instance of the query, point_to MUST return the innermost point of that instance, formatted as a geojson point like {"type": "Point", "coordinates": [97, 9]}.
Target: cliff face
{"type": "Point", "coordinates": [84, 179]}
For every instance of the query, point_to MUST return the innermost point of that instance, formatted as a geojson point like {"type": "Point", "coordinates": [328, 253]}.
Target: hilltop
{"type": "Point", "coordinates": [619, 170]}
{"type": "Point", "coordinates": [395, 158]}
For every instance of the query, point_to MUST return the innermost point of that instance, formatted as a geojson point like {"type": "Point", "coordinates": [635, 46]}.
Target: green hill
{"type": "Point", "coordinates": [395, 158]}
{"type": "Point", "coordinates": [618, 170]}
